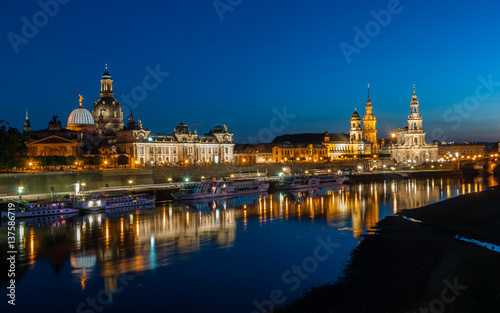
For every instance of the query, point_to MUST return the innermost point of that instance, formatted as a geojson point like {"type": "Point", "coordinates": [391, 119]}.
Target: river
{"type": "Point", "coordinates": [240, 255]}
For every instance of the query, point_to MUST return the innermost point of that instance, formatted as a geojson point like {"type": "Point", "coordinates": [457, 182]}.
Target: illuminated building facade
{"type": "Point", "coordinates": [369, 124]}
{"type": "Point", "coordinates": [300, 153]}
{"type": "Point", "coordinates": [410, 146]}
{"type": "Point", "coordinates": [107, 112]}
{"type": "Point", "coordinates": [461, 151]}
{"type": "Point", "coordinates": [182, 146]}
{"type": "Point", "coordinates": [103, 132]}
{"type": "Point", "coordinates": [253, 153]}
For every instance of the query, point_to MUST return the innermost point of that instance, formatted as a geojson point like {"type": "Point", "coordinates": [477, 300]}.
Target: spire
{"type": "Point", "coordinates": [106, 73]}
{"type": "Point", "coordinates": [414, 96]}
{"type": "Point", "coordinates": [368, 102]}
{"type": "Point", "coordinates": [27, 124]}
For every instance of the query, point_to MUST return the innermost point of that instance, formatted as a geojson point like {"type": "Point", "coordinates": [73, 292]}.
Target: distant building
{"type": "Point", "coordinates": [299, 153]}
{"type": "Point", "coordinates": [253, 153]}
{"type": "Point", "coordinates": [103, 132]}
{"type": "Point", "coordinates": [182, 146]}
{"type": "Point", "coordinates": [410, 146]}
{"type": "Point", "coordinates": [59, 141]}
{"type": "Point", "coordinates": [461, 151]}
{"type": "Point", "coordinates": [308, 147]}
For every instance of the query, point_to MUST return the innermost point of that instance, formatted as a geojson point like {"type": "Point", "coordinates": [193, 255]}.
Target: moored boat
{"type": "Point", "coordinates": [220, 189]}
{"type": "Point", "coordinates": [110, 200]}
{"type": "Point", "coordinates": [28, 209]}
{"type": "Point", "coordinates": [309, 181]}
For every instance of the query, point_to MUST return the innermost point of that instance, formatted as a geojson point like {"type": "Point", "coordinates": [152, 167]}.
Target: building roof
{"type": "Point", "coordinates": [253, 148]}
{"type": "Point", "coordinates": [355, 115]}
{"type": "Point", "coordinates": [80, 116]}
{"type": "Point", "coordinates": [308, 138]}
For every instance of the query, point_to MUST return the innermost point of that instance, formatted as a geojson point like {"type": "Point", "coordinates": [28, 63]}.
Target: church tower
{"type": "Point", "coordinates": [356, 132]}
{"type": "Point", "coordinates": [414, 119]}
{"type": "Point", "coordinates": [415, 130]}
{"type": "Point", "coordinates": [107, 112]}
{"type": "Point", "coordinates": [27, 125]}
{"type": "Point", "coordinates": [369, 123]}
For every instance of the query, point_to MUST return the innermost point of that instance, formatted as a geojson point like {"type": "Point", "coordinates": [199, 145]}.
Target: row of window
{"type": "Point", "coordinates": [296, 152]}
{"type": "Point", "coordinates": [173, 150]}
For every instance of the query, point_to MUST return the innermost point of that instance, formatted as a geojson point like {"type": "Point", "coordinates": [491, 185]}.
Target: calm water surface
{"type": "Point", "coordinates": [226, 256]}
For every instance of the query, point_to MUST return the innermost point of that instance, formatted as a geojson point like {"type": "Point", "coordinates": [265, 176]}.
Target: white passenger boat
{"type": "Point", "coordinates": [220, 189]}
{"type": "Point", "coordinates": [110, 200]}
{"type": "Point", "coordinates": [309, 181]}
{"type": "Point", "coordinates": [26, 209]}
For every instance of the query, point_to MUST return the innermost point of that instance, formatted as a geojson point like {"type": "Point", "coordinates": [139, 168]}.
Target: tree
{"type": "Point", "coordinates": [70, 160]}
{"type": "Point", "coordinates": [12, 146]}
{"type": "Point", "coordinates": [96, 161]}
{"type": "Point", "coordinates": [87, 161]}
{"type": "Point", "coordinates": [122, 159]}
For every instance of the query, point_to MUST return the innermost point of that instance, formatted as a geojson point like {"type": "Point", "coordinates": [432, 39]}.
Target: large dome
{"type": "Point", "coordinates": [81, 119]}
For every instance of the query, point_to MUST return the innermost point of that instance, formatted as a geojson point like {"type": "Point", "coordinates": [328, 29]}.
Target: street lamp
{"type": "Point", "coordinates": [130, 184]}
{"type": "Point", "coordinates": [20, 191]}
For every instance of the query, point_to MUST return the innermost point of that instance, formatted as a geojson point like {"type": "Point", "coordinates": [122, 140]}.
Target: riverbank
{"type": "Point", "coordinates": [407, 265]}
{"type": "Point", "coordinates": [476, 215]}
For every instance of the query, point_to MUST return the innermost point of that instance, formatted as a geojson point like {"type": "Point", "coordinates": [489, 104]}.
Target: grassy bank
{"type": "Point", "coordinates": [405, 266]}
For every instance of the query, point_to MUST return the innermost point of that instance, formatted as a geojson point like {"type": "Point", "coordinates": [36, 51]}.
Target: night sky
{"type": "Point", "coordinates": [241, 63]}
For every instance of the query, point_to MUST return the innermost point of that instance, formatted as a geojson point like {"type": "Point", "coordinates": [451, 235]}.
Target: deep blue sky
{"type": "Point", "coordinates": [263, 55]}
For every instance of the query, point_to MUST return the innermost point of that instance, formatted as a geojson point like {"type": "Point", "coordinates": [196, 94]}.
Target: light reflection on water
{"type": "Point", "coordinates": [105, 245]}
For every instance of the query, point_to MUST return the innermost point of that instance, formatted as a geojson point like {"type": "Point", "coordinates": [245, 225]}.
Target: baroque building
{"type": "Point", "coordinates": [183, 146]}
{"type": "Point", "coordinates": [103, 132]}
{"type": "Point", "coordinates": [107, 112]}
{"type": "Point", "coordinates": [410, 146]}
{"type": "Point", "coordinates": [369, 123]}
